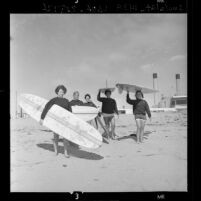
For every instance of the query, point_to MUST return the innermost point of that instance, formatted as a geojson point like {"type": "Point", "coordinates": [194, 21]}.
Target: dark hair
{"type": "Point", "coordinates": [60, 87]}
{"type": "Point", "coordinates": [139, 91]}
{"type": "Point", "coordinates": [87, 95]}
{"type": "Point", "coordinates": [107, 90]}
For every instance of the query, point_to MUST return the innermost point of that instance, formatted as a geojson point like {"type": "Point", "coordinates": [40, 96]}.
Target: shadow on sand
{"type": "Point", "coordinates": [46, 130]}
{"type": "Point", "coordinates": [128, 137]}
{"type": "Point", "coordinates": [134, 136]}
{"type": "Point", "coordinates": [73, 151]}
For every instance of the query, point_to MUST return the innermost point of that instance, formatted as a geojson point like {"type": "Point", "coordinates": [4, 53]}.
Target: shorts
{"type": "Point", "coordinates": [107, 117]}
{"type": "Point", "coordinates": [140, 116]}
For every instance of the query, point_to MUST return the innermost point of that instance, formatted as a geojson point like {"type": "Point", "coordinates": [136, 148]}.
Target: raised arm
{"type": "Point", "coordinates": [129, 101]}
{"type": "Point", "coordinates": [47, 107]}
{"type": "Point", "coordinates": [99, 98]}
{"type": "Point", "coordinates": [147, 109]}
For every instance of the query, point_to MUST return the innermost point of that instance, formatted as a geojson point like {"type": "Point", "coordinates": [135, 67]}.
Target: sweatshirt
{"type": "Point", "coordinates": [139, 106]}
{"type": "Point", "coordinates": [109, 105]}
{"type": "Point", "coordinates": [62, 102]}
{"type": "Point", "coordinates": [91, 104]}
{"type": "Point", "coordinates": [76, 102]}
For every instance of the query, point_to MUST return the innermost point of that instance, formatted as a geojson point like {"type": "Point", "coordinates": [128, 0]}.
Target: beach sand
{"type": "Point", "coordinates": [158, 164]}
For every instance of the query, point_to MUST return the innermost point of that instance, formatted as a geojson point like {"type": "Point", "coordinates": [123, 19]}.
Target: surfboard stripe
{"type": "Point", "coordinates": [75, 129]}
{"type": "Point", "coordinates": [65, 123]}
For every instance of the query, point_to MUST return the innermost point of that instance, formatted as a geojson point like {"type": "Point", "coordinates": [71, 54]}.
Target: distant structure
{"type": "Point", "coordinates": [19, 113]}
{"type": "Point", "coordinates": [155, 86]}
{"type": "Point", "coordinates": [178, 87]}
{"type": "Point", "coordinates": [178, 101]}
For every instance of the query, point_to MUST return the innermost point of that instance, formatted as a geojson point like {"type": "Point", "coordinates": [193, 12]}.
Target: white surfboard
{"type": "Point", "coordinates": [85, 113]}
{"type": "Point", "coordinates": [134, 88]}
{"type": "Point", "coordinates": [62, 122]}
{"type": "Point", "coordinates": [104, 89]}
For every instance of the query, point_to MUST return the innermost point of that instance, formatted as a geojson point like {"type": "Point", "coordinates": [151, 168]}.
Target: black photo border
{"type": "Point", "coordinates": [91, 7]}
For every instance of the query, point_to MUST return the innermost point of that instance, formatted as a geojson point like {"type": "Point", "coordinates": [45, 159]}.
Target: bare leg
{"type": "Point", "coordinates": [142, 130]}
{"type": "Point", "coordinates": [55, 143]}
{"type": "Point", "coordinates": [138, 130]}
{"type": "Point", "coordinates": [66, 144]}
{"type": "Point", "coordinates": [107, 126]}
{"type": "Point", "coordinates": [103, 126]}
{"type": "Point", "coordinates": [96, 123]}
{"type": "Point", "coordinates": [113, 128]}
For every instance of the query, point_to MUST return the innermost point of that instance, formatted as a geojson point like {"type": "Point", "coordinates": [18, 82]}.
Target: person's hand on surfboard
{"type": "Point", "coordinates": [41, 122]}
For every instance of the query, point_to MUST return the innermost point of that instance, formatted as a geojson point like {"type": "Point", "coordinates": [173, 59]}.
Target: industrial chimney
{"type": "Point", "coordinates": [155, 86]}
{"type": "Point", "coordinates": [178, 87]}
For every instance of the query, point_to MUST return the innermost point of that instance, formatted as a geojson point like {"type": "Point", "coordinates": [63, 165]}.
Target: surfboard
{"type": "Point", "coordinates": [104, 89]}
{"type": "Point", "coordinates": [134, 88]}
{"type": "Point", "coordinates": [85, 113]}
{"type": "Point", "coordinates": [62, 122]}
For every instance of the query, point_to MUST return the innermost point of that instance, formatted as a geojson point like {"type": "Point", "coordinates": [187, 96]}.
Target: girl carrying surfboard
{"type": "Point", "coordinates": [76, 100]}
{"type": "Point", "coordinates": [89, 102]}
{"type": "Point", "coordinates": [140, 108]}
{"type": "Point", "coordinates": [109, 108]}
{"type": "Point", "coordinates": [64, 103]}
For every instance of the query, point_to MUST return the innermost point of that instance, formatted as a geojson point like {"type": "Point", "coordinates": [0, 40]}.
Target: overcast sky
{"type": "Point", "coordinates": [81, 51]}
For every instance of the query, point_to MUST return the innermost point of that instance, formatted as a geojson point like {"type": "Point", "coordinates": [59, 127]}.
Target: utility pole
{"type": "Point", "coordinates": [155, 86]}
{"type": "Point", "coordinates": [16, 104]}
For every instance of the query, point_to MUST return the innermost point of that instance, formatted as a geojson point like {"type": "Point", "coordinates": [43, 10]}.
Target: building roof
{"type": "Point", "coordinates": [183, 96]}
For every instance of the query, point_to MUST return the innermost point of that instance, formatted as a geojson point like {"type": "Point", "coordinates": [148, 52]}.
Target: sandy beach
{"type": "Point", "coordinates": [158, 164]}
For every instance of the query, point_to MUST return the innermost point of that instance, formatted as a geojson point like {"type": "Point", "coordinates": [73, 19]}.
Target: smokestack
{"type": "Point", "coordinates": [178, 87]}
{"type": "Point", "coordinates": [21, 113]}
{"type": "Point", "coordinates": [155, 86]}
{"type": "Point", "coordinates": [16, 105]}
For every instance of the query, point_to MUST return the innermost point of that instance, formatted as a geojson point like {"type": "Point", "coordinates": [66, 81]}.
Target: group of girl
{"type": "Point", "coordinates": [108, 111]}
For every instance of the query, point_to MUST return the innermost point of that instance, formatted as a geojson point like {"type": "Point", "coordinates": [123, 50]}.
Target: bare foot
{"type": "Point", "coordinates": [67, 155]}
{"type": "Point", "coordinates": [113, 137]}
